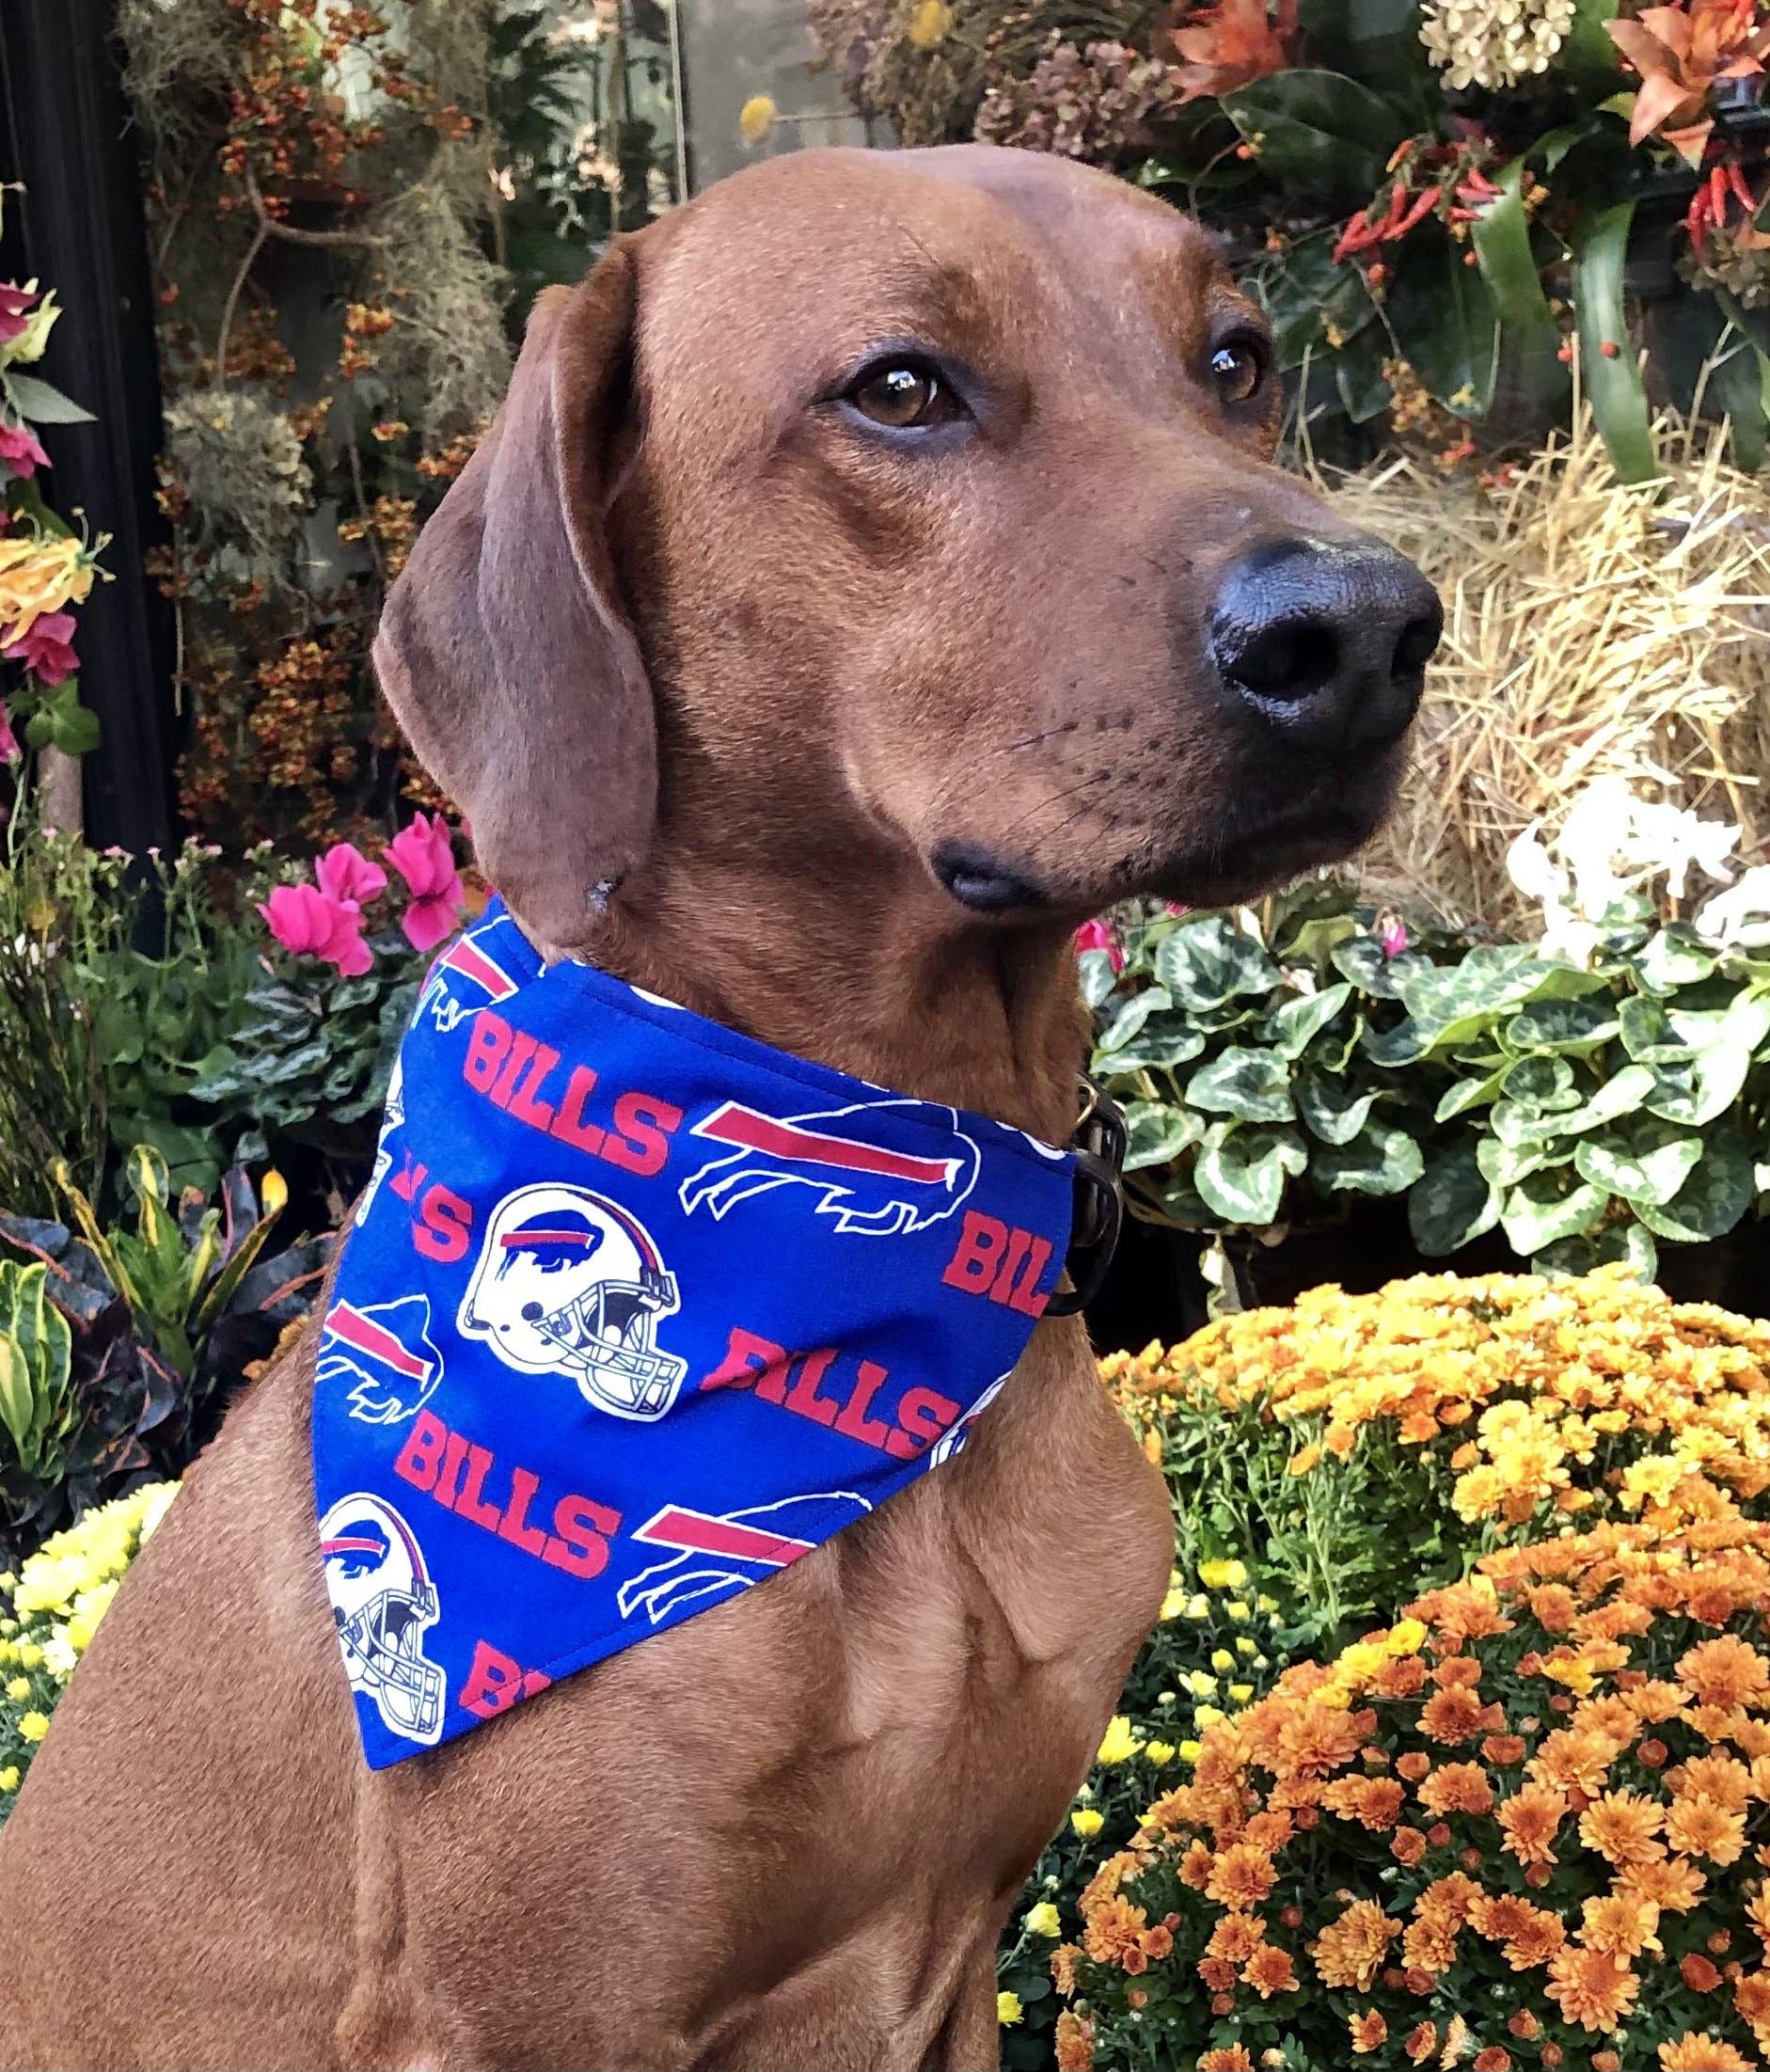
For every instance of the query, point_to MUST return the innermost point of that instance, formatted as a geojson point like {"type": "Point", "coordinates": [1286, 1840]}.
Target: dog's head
{"type": "Point", "coordinates": [910, 513]}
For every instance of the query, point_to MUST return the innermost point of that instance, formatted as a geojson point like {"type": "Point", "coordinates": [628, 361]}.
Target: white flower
{"type": "Point", "coordinates": [1724, 920]}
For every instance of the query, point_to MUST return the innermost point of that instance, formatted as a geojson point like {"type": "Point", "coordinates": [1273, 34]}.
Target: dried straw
{"type": "Point", "coordinates": [1591, 630]}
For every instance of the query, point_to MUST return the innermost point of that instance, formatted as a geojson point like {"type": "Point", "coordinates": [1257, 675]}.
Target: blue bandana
{"type": "Point", "coordinates": [635, 1312]}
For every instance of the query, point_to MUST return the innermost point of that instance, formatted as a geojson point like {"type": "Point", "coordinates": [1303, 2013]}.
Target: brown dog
{"type": "Point", "coordinates": [876, 569]}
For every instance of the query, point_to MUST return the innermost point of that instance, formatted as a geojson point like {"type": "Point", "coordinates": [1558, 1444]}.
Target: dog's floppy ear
{"type": "Point", "coordinates": [503, 649]}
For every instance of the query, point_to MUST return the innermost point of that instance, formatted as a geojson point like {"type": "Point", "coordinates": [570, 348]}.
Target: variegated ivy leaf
{"type": "Point", "coordinates": [1579, 1024]}
{"type": "Point", "coordinates": [1155, 1132]}
{"type": "Point", "coordinates": [1098, 977]}
{"type": "Point", "coordinates": [1621, 1094]}
{"type": "Point", "coordinates": [1381, 1159]}
{"type": "Point", "coordinates": [1330, 1104]}
{"type": "Point", "coordinates": [1292, 1027]}
{"type": "Point", "coordinates": [1130, 1018]}
{"type": "Point", "coordinates": [1469, 1092]}
{"type": "Point", "coordinates": [1644, 1160]}
{"type": "Point", "coordinates": [1539, 1082]}
{"type": "Point", "coordinates": [1627, 1244]}
{"type": "Point", "coordinates": [1671, 957]}
{"type": "Point", "coordinates": [1451, 1203]}
{"type": "Point", "coordinates": [1712, 1200]}
{"type": "Point", "coordinates": [1253, 1085]}
{"type": "Point", "coordinates": [1240, 1173]}
{"type": "Point", "coordinates": [1547, 1206]}
{"type": "Point", "coordinates": [1161, 1044]}
{"type": "Point", "coordinates": [1209, 961]}
{"type": "Point", "coordinates": [1647, 1035]}
{"type": "Point", "coordinates": [1506, 1164]}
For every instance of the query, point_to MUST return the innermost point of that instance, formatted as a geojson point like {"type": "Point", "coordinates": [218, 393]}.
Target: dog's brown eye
{"type": "Point", "coordinates": [903, 397]}
{"type": "Point", "coordinates": [1238, 367]}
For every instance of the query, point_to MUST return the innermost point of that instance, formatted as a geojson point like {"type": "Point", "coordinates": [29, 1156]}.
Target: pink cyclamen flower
{"type": "Point", "coordinates": [10, 748]}
{"type": "Point", "coordinates": [47, 649]}
{"type": "Point", "coordinates": [424, 856]}
{"type": "Point", "coordinates": [21, 450]}
{"type": "Point", "coordinates": [345, 875]}
{"type": "Point", "coordinates": [1392, 935]}
{"type": "Point", "coordinates": [1097, 935]}
{"type": "Point", "coordinates": [15, 309]}
{"type": "Point", "coordinates": [307, 923]}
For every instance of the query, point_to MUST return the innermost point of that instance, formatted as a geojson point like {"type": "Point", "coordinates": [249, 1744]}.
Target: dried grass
{"type": "Point", "coordinates": [1591, 630]}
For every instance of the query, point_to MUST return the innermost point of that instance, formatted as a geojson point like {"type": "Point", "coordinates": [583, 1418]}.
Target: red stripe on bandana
{"type": "Point", "coordinates": [750, 1132]}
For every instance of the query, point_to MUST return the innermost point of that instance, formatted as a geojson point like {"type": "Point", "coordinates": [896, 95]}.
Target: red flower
{"type": "Point", "coordinates": [20, 449]}
{"type": "Point", "coordinates": [10, 748]}
{"type": "Point", "coordinates": [15, 311]}
{"type": "Point", "coordinates": [307, 923]}
{"type": "Point", "coordinates": [346, 875]}
{"type": "Point", "coordinates": [424, 856]}
{"type": "Point", "coordinates": [1097, 935]}
{"type": "Point", "coordinates": [47, 649]}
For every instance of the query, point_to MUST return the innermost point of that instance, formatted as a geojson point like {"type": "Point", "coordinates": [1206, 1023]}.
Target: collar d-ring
{"type": "Point", "coordinates": [1098, 1149]}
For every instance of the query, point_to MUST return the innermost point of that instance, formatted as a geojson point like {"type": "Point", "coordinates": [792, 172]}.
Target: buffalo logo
{"type": "Point", "coordinates": [387, 1348]}
{"type": "Point", "coordinates": [723, 1553]}
{"type": "Point", "coordinates": [467, 978]}
{"type": "Point", "coordinates": [864, 1186]}
{"type": "Point", "coordinates": [394, 1118]}
{"type": "Point", "coordinates": [570, 1283]}
{"type": "Point", "coordinates": [383, 1604]}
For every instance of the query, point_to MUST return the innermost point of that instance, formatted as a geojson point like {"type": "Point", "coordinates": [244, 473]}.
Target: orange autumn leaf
{"type": "Point", "coordinates": [1228, 44]}
{"type": "Point", "coordinates": [1680, 55]}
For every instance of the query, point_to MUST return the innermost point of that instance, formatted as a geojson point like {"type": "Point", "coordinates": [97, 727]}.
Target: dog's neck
{"type": "Point", "coordinates": [868, 974]}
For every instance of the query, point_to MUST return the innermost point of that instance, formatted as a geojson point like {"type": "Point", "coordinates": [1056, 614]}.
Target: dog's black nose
{"type": "Point", "coordinates": [1327, 642]}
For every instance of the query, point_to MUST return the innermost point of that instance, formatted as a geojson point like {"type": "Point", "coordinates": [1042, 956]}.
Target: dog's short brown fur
{"type": "Point", "coordinates": [721, 677]}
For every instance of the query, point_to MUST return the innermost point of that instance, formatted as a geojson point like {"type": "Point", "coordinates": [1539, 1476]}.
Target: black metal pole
{"type": "Point", "coordinates": [78, 227]}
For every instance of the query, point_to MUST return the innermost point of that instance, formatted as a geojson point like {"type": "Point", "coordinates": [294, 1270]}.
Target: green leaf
{"type": "Point", "coordinates": [1544, 1206]}
{"type": "Point", "coordinates": [1468, 1093]}
{"type": "Point", "coordinates": [1613, 380]}
{"type": "Point", "coordinates": [1292, 1027]}
{"type": "Point", "coordinates": [1621, 1094]}
{"type": "Point", "coordinates": [1381, 1159]}
{"type": "Point", "coordinates": [1240, 1173]}
{"type": "Point", "coordinates": [1648, 1036]}
{"type": "Point", "coordinates": [1646, 1161]}
{"type": "Point", "coordinates": [1316, 131]}
{"type": "Point", "coordinates": [1723, 1061]}
{"type": "Point", "coordinates": [1097, 975]}
{"type": "Point", "coordinates": [40, 401]}
{"type": "Point", "coordinates": [1332, 1104]}
{"type": "Point", "coordinates": [1162, 1043]}
{"type": "Point", "coordinates": [1443, 318]}
{"type": "Point", "coordinates": [1208, 962]}
{"type": "Point", "coordinates": [1451, 1204]}
{"type": "Point", "coordinates": [1505, 1164]}
{"type": "Point", "coordinates": [1157, 1133]}
{"type": "Point", "coordinates": [1575, 1026]}
{"type": "Point", "coordinates": [1501, 237]}
{"type": "Point", "coordinates": [1130, 1018]}
{"type": "Point", "coordinates": [1253, 1085]}
{"type": "Point", "coordinates": [1672, 958]}
{"type": "Point", "coordinates": [1539, 1082]}
{"type": "Point", "coordinates": [1360, 958]}
{"type": "Point", "coordinates": [1626, 1243]}
{"type": "Point", "coordinates": [1712, 1200]}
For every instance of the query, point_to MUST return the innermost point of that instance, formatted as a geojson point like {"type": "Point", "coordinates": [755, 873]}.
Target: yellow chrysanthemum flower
{"type": "Point", "coordinates": [1087, 1821]}
{"type": "Point", "coordinates": [1008, 2009]}
{"type": "Point", "coordinates": [1120, 1744]}
{"type": "Point", "coordinates": [756, 120]}
{"type": "Point", "coordinates": [33, 1727]}
{"type": "Point", "coordinates": [18, 1687]}
{"type": "Point", "coordinates": [1042, 1919]}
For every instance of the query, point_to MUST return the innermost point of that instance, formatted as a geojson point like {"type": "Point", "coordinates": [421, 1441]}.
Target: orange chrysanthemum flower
{"type": "Point", "coordinates": [1453, 1715]}
{"type": "Point", "coordinates": [1075, 2046]}
{"type": "Point", "coordinates": [1233, 2059]}
{"type": "Point", "coordinates": [1622, 1827]}
{"type": "Point", "coordinates": [1725, 1671]}
{"type": "Point", "coordinates": [1369, 2031]}
{"type": "Point", "coordinates": [1619, 1925]}
{"type": "Point", "coordinates": [1699, 1826]}
{"type": "Point", "coordinates": [1269, 1970]}
{"type": "Point", "coordinates": [1421, 2042]}
{"type": "Point", "coordinates": [1491, 2060]}
{"type": "Point", "coordinates": [1241, 1876]}
{"type": "Point", "coordinates": [1591, 1988]}
{"type": "Point", "coordinates": [1457, 1788]}
{"type": "Point", "coordinates": [1694, 2053]}
{"type": "Point", "coordinates": [1236, 1938]}
{"type": "Point", "coordinates": [1349, 1952]}
{"type": "Point", "coordinates": [1697, 1974]}
{"type": "Point", "coordinates": [1722, 1778]}
{"type": "Point", "coordinates": [1673, 1884]}
{"type": "Point", "coordinates": [1528, 1821]}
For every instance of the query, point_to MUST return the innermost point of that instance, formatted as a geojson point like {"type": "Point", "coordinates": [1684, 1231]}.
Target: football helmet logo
{"type": "Point", "coordinates": [569, 1283]}
{"type": "Point", "coordinates": [384, 1602]}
